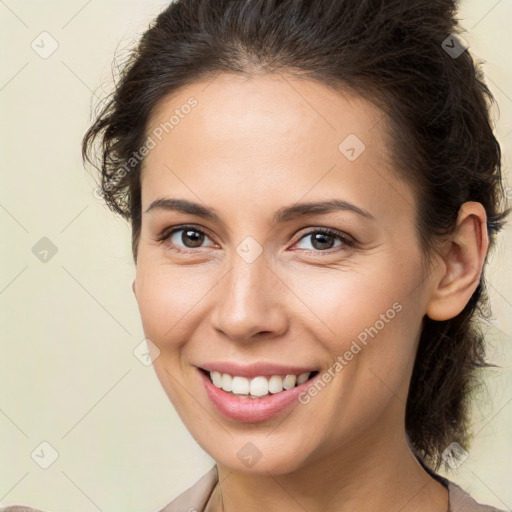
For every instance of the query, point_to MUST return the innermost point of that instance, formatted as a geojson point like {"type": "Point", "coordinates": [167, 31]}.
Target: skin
{"type": "Point", "coordinates": [250, 147]}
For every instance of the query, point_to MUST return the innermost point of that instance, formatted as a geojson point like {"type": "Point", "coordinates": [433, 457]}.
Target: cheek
{"type": "Point", "coordinates": [167, 298]}
{"type": "Point", "coordinates": [342, 303]}
{"type": "Point", "coordinates": [368, 320]}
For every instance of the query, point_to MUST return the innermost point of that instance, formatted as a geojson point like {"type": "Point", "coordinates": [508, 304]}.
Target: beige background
{"type": "Point", "coordinates": [69, 325]}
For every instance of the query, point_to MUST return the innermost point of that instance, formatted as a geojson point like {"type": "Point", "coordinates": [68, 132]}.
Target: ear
{"type": "Point", "coordinates": [133, 288]}
{"type": "Point", "coordinates": [462, 259]}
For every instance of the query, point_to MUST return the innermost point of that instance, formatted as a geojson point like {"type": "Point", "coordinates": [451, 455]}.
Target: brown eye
{"type": "Point", "coordinates": [184, 237]}
{"type": "Point", "coordinates": [191, 235]}
{"type": "Point", "coordinates": [322, 240]}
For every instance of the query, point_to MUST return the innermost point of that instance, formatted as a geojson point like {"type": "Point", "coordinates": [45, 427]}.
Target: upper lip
{"type": "Point", "coordinates": [255, 369]}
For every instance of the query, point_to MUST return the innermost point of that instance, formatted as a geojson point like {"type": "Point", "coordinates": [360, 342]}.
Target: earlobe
{"type": "Point", "coordinates": [463, 260]}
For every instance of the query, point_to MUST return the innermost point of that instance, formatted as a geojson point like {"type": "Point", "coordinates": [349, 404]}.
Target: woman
{"type": "Point", "coordinates": [313, 188]}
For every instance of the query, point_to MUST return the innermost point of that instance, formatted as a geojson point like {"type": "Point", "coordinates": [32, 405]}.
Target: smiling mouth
{"type": "Point", "coordinates": [256, 387]}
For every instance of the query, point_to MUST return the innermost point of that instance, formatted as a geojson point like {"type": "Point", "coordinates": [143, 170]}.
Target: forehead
{"type": "Point", "coordinates": [229, 107]}
{"type": "Point", "coordinates": [269, 133]}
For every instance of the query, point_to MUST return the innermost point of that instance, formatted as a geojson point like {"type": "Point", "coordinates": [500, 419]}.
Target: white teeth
{"type": "Point", "coordinates": [240, 385]}
{"type": "Point", "coordinates": [216, 379]}
{"type": "Point", "coordinates": [226, 382]}
{"type": "Point", "coordinates": [275, 384]}
{"type": "Point", "coordinates": [303, 377]}
{"type": "Point", "coordinates": [289, 381]}
{"type": "Point", "coordinates": [257, 386]}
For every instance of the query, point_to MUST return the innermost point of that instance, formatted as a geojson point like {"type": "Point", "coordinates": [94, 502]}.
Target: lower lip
{"type": "Point", "coordinates": [250, 410]}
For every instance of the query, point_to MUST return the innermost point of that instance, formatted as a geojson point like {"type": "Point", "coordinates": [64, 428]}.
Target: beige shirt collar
{"type": "Point", "coordinates": [195, 498]}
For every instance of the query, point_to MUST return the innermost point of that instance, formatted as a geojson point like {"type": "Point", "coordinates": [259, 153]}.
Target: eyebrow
{"type": "Point", "coordinates": [284, 214]}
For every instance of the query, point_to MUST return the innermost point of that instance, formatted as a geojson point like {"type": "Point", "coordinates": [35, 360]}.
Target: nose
{"type": "Point", "coordinates": [250, 302]}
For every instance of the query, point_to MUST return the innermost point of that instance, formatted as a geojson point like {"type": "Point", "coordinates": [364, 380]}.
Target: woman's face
{"type": "Point", "coordinates": [250, 278]}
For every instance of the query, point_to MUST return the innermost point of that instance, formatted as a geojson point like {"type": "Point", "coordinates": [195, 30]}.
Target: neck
{"type": "Point", "coordinates": [374, 474]}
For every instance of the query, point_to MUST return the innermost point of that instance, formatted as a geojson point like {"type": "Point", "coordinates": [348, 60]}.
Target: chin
{"type": "Point", "coordinates": [253, 455]}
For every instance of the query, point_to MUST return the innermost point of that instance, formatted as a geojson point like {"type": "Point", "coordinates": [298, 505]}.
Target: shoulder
{"type": "Point", "coordinates": [461, 501]}
{"type": "Point", "coordinates": [196, 496]}
{"type": "Point", "coordinates": [20, 508]}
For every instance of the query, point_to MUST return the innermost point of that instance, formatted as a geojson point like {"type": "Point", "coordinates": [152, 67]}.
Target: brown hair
{"type": "Point", "coordinates": [394, 53]}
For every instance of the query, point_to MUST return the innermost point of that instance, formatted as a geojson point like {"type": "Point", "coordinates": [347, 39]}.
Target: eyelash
{"type": "Point", "coordinates": [347, 241]}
